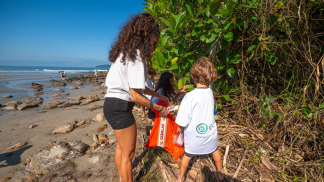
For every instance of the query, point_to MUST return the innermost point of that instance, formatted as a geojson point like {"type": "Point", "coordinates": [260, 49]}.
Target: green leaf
{"type": "Point", "coordinates": [321, 107]}
{"type": "Point", "coordinates": [281, 117]}
{"type": "Point", "coordinates": [272, 114]}
{"type": "Point", "coordinates": [189, 10]}
{"type": "Point", "coordinates": [233, 90]}
{"type": "Point", "coordinates": [172, 22]}
{"type": "Point", "coordinates": [166, 22]}
{"type": "Point", "coordinates": [190, 88]}
{"type": "Point", "coordinates": [180, 83]}
{"type": "Point", "coordinates": [174, 60]}
{"type": "Point", "coordinates": [278, 4]}
{"type": "Point", "coordinates": [195, 31]}
{"type": "Point", "coordinates": [179, 19]}
{"type": "Point", "coordinates": [214, 6]}
{"type": "Point", "coordinates": [260, 103]}
{"type": "Point", "coordinates": [224, 11]}
{"type": "Point", "coordinates": [227, 97]}
{"type": "Point", "coordinates": [229, 36]}
{"type": "Point", "coordinates": [202, 37]}
{"type": "Point", "coordinates": [231, 72]}
{"type": "Point", "coordinates": [225, 88]}
{"type": "Point", "coordinates": [218, 84]}
{"type": "Point", "coordinates": [173, 67]}
{"type": "Point", "coordinates": [272, 58]}
{"type": "Point", "coordinates": [220, 67]}
{"type": "Point", "coordinates": [251, 48]}
{"type": "Point", "coordinates": [264, 112]}
{"type": "Point", "coordinates": [207, 11]}
{"type": "Point", "coordinates": [230, 6]}
{"type": "Point", "coordinates": [160, 58]}
{"type": "Point", "coordinates": [212, 38]}
{"type": "Point", "coordinates": [199, 24]}
{"type": "Point", "coordinates": [269, 99]}
{"type": "Point", "coordinates": [307, 110]}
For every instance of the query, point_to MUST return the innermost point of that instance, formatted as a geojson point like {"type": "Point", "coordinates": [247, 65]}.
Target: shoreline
{"type": "Point", "coordinates": [20, 76]}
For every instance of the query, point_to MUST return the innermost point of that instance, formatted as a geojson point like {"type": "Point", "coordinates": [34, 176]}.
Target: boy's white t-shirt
{"type": "Point", "coordinates": [196, 114]}
{"type": "Point", "coordinates": [150, 83]}
{"type": "Point", "coordinates": [124, 75]}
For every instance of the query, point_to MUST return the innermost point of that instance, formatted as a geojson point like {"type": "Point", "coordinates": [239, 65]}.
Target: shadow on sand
{"type": "Point", "coordinates": [13, 157]}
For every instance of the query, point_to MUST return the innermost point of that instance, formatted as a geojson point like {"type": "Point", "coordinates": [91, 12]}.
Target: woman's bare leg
{"type": "Point", "coordinates": [126, 138]}
{"type": "Point", "coordinates": [218, 161]}
{"type": "Point", "coordinates": [118, 155]}
{"type": "Point", "coordinates": [184, 164]}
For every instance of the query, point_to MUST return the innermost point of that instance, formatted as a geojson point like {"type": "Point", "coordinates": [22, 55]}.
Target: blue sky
{"type": "Point", "coordinates": [61, 32]}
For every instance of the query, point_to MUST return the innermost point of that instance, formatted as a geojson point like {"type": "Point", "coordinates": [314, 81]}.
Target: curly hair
{"type": "Point", "coordinates": [203, 71]}
{"type": "Point", "coordinates": [137, 33]}
{"type": "Point", "coordinates": [164, 83]}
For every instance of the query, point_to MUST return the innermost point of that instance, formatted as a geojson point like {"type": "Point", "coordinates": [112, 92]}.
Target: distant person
{"type": "Point", "coordinates": [126, 83]}
{"type": "Point", "coordinates": [62, 74]}
{"type": "Point", "coordinates": [150, 83]}
{"type": "Point", "coordinates": [1, 71]}
{"type": "Point", "coordinates": [96, 73]}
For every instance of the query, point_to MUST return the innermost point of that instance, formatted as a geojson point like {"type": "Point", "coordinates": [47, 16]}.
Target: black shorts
{"type": "Point", "coordinates": [118, 113]}
{"type": "Point", "coordinates": [151, 114]}
{"type": "Point", "coordinates": [192, 155]}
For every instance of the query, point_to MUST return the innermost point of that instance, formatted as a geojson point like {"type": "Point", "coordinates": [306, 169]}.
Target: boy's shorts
{"type": "Point", "coordinates": [192, 155]}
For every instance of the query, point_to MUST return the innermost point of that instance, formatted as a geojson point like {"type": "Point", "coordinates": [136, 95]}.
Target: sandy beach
{"type": "Point", "coordinates": [15, 124]}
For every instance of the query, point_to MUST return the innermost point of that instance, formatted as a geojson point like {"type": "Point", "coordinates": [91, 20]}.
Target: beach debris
{"type": "Point", "coordinates": [80, 123]}
{"type": "Point", "coordinates": [6, 179]}
{"type": "Point", "coordinates": [166, 171]}
{"type": "Point", "coordinates": [94, 107]}
{"type": "Point", "coordinates": [78, 83]}
{"type": "Point", "coordinates": [104, 125]}
{"type": "Point", "coordinates": [55, 95]}
{"type": "Point", "coordinates": [101, 129]}
{"type": "Point", "coordinates": [73, 88]}
{"type": "Point", "coordinates": [32, 126]}
{"type": "Point", "coordinates": [63, 129]}
{"type": "Point", "coordinates": [100, 117]}
{"type": "Point", "coordinates": [17, 146]}
{"type": "Point", "coordinates": [268, 164]}
{"type": "Point", "coordinates": [94, 159]}
{"type": "Point", "coordinates": [103, 137]}
{"type": "Point", "coordinates": [25, 106]}
{"type": "Point", "coordinates": [95, 138]}
{"type": "Point", "coordinates": [112, 141]}
{"type": "Point", "coordinates": [94, 145]}
{"type": "Point", "coordinates": [111, 133]}
{"type": "Point", "coordinates": [58, 90]}
{"type": "Point", "coordinates": [7, 96]}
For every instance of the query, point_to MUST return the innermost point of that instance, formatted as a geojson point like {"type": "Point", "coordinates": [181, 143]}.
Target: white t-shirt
{"type": "Point", "coordinates": [196, 114]}
{"type": "Point", "coordinates": [150, 83]}
{"type": "Point", "coordinates": [125, 75]}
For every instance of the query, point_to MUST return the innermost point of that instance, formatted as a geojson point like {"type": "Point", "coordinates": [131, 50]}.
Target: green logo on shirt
{"type": "Point", "coordinates": [202, 128]}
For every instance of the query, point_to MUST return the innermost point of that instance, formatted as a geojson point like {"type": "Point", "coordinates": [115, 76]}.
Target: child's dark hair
{"type": "Point", "coordinates": [151, 71]}
{"type": "Point", "coordinates": [137, 33]}
{"type": "Point", "coordinates": [164, 83]}
{"type": "Point", "coordinates": [203, 71]}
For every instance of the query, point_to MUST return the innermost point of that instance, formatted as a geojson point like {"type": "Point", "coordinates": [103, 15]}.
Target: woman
{"type": "Point", "coordinates": [126, 84]}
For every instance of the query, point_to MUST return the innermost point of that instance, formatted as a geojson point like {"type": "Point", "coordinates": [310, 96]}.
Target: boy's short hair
{"type": "Point", "coordinates": [203, 71]}
{"type": "Point", "coordinates": [151, 71]}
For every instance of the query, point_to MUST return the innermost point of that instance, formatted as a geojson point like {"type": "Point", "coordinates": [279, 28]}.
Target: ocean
{"type": "Point", "coordinates": [47, 70]}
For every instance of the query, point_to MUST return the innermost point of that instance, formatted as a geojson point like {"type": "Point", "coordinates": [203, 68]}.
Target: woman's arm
{"type": "Point", "coordinates": [148, 91]}
{"type": "Point", "coordinates": [183, 90]}
{"type": "Point", "coordinates": [137, 97]}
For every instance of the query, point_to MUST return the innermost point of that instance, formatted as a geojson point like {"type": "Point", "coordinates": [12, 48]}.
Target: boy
{"type": "Point", "coordinates": [150, 83]}
{"type": "Point", "coordinates": [196, 118]}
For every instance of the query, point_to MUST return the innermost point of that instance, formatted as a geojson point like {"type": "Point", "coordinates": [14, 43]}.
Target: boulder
{"type": "Point", "coordinates": [58, 83]}
{"type": "Point", "coordinates": [12, 103]}
{"type": "Point", "coordinates": [71, 103]}
{"type": "Point", "coordinates": [38, 94]}
{"type": "Point", "coordinates": [92, 97]}
{"type": "Point", "coordinates": [7, 96]}
{"type": "Point", "coordinates": [100, 117]}
{"type": "Point", "coordinates": [103, 85]}
{"type": "Point", "coordinates": [33, 100]}
{"type": "Point", "coordinates": [48, 107]}
{"type": "Point", "coordinates": [79, 98]}
{"type": "Point", "coordinates": [80, 123]}
{"type": "Point", "coordinates": [73, 88]}
{"type": "Point", "coordinates": [63, 129]}
{"type": "Point", "coordinates": [55, 95]}
{"type": "Point", "coordinates": [17, 146]}
{"type": "Point", "coordinates": [25, 106]}
{"type": "Point", "coordinates": [78, 83]}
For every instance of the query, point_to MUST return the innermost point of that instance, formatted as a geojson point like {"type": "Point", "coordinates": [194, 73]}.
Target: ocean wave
{"type": "Point", "coordinates": [67, 71]}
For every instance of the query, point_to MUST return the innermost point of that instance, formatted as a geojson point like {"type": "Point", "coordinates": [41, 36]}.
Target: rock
{"type": "Point", "coordinates": [77, 83]}
{"type": "Point", "coordinates": [38, 94]}
{"type": "Point", "coordinates": [79, 87]}
{"type": "Point", "coordinates": [55, 95]}
{"type": "Point", "coordinates": [80, 123]}
{"type": "Point", "coordinates": [60, 97]}
{"type": "Point", "coordinates": [25, 106]}
{"type": "Point", "coordinates": [33, 100]}
{"type": "Point", "coordinates": [94, 159]}
{"type": "Point", "coordinates": [81, 148]}
{"type": "Point", "coordinates": [104, 125]}
{"type": "Point", "coordinates": [94, 107]}
{"type": "Point", "coordinates": [58, 83]}
{"type": "Point", "coordinates": [32, 126]}
{"type": "Point", "coordinates": [103, 137]}
{"type": "Point", "coordinates": [7, 96]}
{"type": "Point", "coordinates": [48, 107]}
{"type": "Point", "coordinates": [193, 174]}
{"type": "Point", "coordinates": [12, 103]}
{"type": "Point", "coordinates": [17, 146]}
{"type": "Point", "coordinates": [79, 98]}
{"type": "Point", "coordinates": [100, 117]}
{"type": "Point", "coordinates": [112, 141]}
{"type": "Point", "coordinates": [94, 145]}
{"type": "Point", "coordinates": [58, 90]}
{"type": "Point", "coordinates": [6, 179]}
{"type": "Point", "coordinates": [73, 88]}
{"type": "Point", "coordinates": [66, 94]}
{"type": "Point", "coordinates": [92, 97]}
{"type": "Point", "coordinates": [10, 108]}
{"type": "Point", "coordinates": [63, 129]}
{"type": "Point", "coordinates": [71, 103]}
{"type": "Point", "coordinates": [103, 85]}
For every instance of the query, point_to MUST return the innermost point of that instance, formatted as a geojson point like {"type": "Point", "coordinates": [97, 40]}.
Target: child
{"type": "Point", "coordinates": [196, 118]}
{"type": "Point", "coordinates": [150, 83]}
{"type": "Point", "coordinates": [165, 87]}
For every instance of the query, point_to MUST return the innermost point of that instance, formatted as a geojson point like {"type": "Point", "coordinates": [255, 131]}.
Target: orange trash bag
{"type": "Point", "coordinates": [163, 133]}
